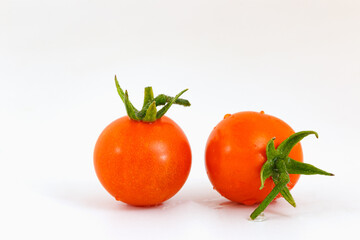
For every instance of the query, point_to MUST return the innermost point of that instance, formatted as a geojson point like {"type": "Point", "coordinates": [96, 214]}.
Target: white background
{"type": "Point", "coordinates": [297, 60]}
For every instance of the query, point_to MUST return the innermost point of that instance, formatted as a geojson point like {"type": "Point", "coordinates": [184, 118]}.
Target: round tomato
{"type": "Point", "coordinates": [144, 158]}
{"type": "Point", "coordinates": [236, 152]}
{"type": "Point", "coordinates": [142, 163]}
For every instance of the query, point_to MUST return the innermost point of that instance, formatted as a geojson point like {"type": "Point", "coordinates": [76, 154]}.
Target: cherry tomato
{"type": "Point", "coordinates": [142, 163]}
{"type": "Point", "coordinates": [236, 151]}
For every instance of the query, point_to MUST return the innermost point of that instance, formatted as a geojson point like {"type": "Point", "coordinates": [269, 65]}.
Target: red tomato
{"type": "Point", "coordinates": [141, 163]}
{"type": "Point", "coordinates": [236, 152]}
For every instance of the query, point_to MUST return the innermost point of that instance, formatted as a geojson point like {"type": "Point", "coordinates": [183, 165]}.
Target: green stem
{"type": "Point", "coordinates": [148, 112]}
{"type": "Point", "coordinates": [269, 198]}
{"type": "Point", "coordinates": [162, 111]}
{"type": "Point", "coordinates": [148, 96]}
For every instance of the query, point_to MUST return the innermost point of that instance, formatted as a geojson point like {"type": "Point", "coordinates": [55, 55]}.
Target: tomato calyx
{"type": "Point", "coordinates": [279, 165]}
{"type": "Point", "coordinates": [149, 112]}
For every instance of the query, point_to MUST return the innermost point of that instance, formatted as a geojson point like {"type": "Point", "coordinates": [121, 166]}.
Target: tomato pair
{"type": "Point", "coordinates": [144, 158]}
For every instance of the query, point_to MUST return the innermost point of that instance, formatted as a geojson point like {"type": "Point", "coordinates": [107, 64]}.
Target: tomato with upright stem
{"type": "Point", "coordinates": [253, 157]}
{"type": "Point", "coordinates": [144, 158]}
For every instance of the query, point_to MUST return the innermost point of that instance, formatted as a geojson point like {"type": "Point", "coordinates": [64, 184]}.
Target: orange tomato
{"type": "Point", "coordinates": [236, 151]}
{"type": "Point", "coordinates": [142, 163]}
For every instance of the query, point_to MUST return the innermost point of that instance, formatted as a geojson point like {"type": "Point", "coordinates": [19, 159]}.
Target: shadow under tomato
{"type": "Point", "coordinates": [79, 194]}
{"type": "Point", "coordinates": [127, 207]}
{"type": "Point", "coordinates": [212, 200]}
{"type": "Point", "coordinates": [87, 195]}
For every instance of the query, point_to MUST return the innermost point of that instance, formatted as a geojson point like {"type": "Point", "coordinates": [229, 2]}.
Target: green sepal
{"type": "Point", "coordinates": [122, 94]}
{"type": "Point", "coordinates": [162, 99]}
{"type": "Point", "coordinates": [285, 147]}
{"type": "Point", "coordinates": [295, 167]}
{"type": "Point", "coordinates": [267, 168]}
{"type": "Point", "coordinates": [119, 90]}
{"type": "Point", "coordinates": [131, 111]}
{"type": "Point", "coordinates": [150, 113]}
{"type": "Point", "coordinates": [270, 149]}
{"type": "Point", "coordinates": [266, 172]}
{"type": "Point", "coordinates": [163, 110]}
{"type": "Point", "coordinates": [285, 192]}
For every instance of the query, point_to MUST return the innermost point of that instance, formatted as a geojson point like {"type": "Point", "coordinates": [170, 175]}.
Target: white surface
{"type": "Point", "coordinates": [297, 60]}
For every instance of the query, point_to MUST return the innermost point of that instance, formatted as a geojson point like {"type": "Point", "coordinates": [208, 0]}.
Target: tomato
{"type": "Point", "coordinates": [236, 151]}
{"type": "Point", "coordinates": [144, 158]}
{"type": "Point", "coordinates": [142, 163]}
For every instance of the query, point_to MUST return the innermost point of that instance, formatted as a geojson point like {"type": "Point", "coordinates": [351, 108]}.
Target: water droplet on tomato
{"type": "Point", "coordinates": [227, 115]}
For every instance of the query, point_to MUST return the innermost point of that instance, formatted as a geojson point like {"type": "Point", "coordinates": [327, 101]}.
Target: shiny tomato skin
{"type": "Point", "coordinates": [236, 151]}
{"type": "Point", "coordinates": [140, 163]}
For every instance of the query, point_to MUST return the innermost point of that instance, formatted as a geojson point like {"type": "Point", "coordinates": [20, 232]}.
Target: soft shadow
{"type": "Point", "coordinates": [208, 197]}
{"type": "Point", "coordinates": [211, 199]}
{"type": "Point", "coordinates": [130, 208]}
{"type": "Point", "coordinates": [81, 194]}
{"type": "Point", "coordinates": [92, 196]}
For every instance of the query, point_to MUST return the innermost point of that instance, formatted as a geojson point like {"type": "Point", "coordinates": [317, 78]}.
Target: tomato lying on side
{"type": "Point", "coordinates": [236, 151]}
{"type": "Point", "coordinates": [241, 158]}
{"type": "Point", "coordinates": [145, 158]}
